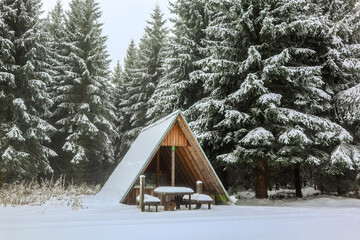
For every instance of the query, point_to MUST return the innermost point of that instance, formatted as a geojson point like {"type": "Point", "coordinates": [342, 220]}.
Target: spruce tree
{"type": "Point", "coordinates": [343, 18]}
{"type": "Point", "coordinates": [84, 95]}
{"type": "Point", "coordinates": [59, 51]}
{"type": "Point", "coordinates": [150, 57]}
{"type": "Point", "coordinates": [267, 99]}
{"type": "Point", "coordinates": [179, 86]}
{"type": "Point", "coordinates": [141, 78]}
{"type": "Point", "coordinates": [24, 99]}
{"type": "Point", "coordinates": [118, 91]}
{"type": "Point", "coordinates": [125, 100]}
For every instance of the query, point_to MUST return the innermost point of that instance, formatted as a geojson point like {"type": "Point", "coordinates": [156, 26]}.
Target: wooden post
{"type": "Point", "coordinates": [158, 168]}
{"type": "Point", "coordinates": [199, 187]}
{"type": "Point", "coordinates": [173, 166]}
{"type": "Point", "coordinates": [142, 193]}
{"type": "Point", "coordinates": [189, 201]}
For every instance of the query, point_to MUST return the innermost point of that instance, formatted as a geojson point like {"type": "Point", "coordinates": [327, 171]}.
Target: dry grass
{"type": "Point", "coordinates": [33, 193]}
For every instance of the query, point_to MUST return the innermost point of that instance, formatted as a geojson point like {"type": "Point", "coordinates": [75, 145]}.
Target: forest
{"type": "Point", "coordinates": [271, 88]}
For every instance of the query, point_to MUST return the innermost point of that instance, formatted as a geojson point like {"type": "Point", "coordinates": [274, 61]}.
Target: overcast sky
{"type": "Point", "coordinates": [123, 20]}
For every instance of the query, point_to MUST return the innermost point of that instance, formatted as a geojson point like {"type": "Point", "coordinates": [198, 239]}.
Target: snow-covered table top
{"type": "Point", "coordinates": [199, 197]}
{"type": "Point", "coordinates": [148, 199]}
{"type": "Point", "coordinates": [173, 190]}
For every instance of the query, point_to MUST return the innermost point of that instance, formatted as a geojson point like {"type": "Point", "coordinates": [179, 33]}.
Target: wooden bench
{"type": "Point", "coordinates": [149, 201]}
{"type": "Point", "coordinates": [199, 199]}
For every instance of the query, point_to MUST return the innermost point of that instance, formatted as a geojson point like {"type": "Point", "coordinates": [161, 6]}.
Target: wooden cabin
{"type": "Point", "coordinates": [168, 154]}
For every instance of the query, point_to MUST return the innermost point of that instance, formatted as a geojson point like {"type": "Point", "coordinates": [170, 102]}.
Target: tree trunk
{"type": "Point", "coordinates": [297, 180]}
{"type": "Point", "coordinates": [339, 189]}
{"type": "Point", "coordinates": [261, 188]}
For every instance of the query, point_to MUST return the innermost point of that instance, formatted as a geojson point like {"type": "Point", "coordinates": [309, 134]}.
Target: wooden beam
{"type": "Point", "coordinates": [198, 153]}
{"type": "Point", "coordinates": [166, 153]}
{"type": "Point", "coordinates": [186, 159]}
{"type": "Point", "coordinates": [158, 168]}
{"type": "Point", "coordinates": [173, 166]}
{"type": "Point", "coordinates": [181, 170]}
{"type": "Point", "coordinates": [191, 177]}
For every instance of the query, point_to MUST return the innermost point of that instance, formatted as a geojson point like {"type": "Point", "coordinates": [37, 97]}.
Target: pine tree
{"type": "Point", "coordinates": [117, 74]}
{"type": "Point", "coordinates": [343, 64]}
{"type": "Point", "coordinates": [84, 95]}
{"type": "Point", "coordinates": [126, 99]}
{"type": "Point", "coordinates": [24, 99]}
{"type": "Point", "coordinates": [144, 77]}
{"type": "Point", "coordinates": [176, 89]}
{"type": "Point", "coordinates": [149, 63]}
{"type": "Point", "coordinates": [58, 44]}
{"type": "Point", "coordinates": [55, 28]}
{"type": "Point", "coordinates": [118, 91]}
{"type": "Point", "coordinates": [348, 89]}
{"type": "Point", "coordinates": [267, 101]}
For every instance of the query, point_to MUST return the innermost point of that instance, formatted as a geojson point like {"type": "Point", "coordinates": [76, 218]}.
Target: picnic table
{"type": "Point", "coordinates": [177, 192]}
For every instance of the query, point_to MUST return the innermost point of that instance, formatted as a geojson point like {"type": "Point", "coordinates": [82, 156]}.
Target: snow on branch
{"type": "Point", "coordinates": [348, 104]}
{"type": "Point", "coordinates": [258, 137]}
{"type": "Point", "coordinates": [345, 155]}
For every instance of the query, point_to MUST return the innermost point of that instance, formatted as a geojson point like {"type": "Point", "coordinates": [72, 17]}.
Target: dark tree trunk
{"type": "Point", "coordinates": [297, 180]}
{"type": "Point", "coordinates": [339, 189]}
{"type": "Point", "coordinates": [261, 188]}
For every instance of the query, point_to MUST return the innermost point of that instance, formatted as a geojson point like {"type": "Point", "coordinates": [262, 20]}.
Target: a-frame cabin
{"type": "Point", "coordinates": [168, 154]}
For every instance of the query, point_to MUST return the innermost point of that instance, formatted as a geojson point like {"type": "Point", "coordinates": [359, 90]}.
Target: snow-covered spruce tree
{"type": "Point", "coordinates": [59, 51]}
{"type": "Point", "coordinates": [125, 99]}
{"type": "Point", "coordinates": [24, 99]}
{"type": "Point", "coordinates": [267, 99]}
{"type": "Point", "coordinates": [176, 90]}
{"type": "Point", "coordinates": [84, 95]}
{"type": "Point", "coordinates": [144, 78]}
{"type": "Point", "coordinates": [58, 42]}
{"type": "Point", "coordinates": [117, 74]}
{"type": "Point", "coordinates": [118, 91]}
{"type": "Point", "coordinates": [150, 58]}
{"type": "Point", "coordinates": [348, 89]}
{"type": "Point", "coordinates": [345, 59]}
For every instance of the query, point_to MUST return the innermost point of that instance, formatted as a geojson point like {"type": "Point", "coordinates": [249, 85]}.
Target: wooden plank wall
{"type": "Point", "coordinates": [175, 137]}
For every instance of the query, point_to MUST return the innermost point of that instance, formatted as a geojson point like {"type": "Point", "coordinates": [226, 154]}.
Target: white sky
{"type": "Point", "coordinates": [123, 20]}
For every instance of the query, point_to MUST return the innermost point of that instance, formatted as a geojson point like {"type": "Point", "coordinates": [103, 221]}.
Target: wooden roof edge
{"type": "Point", "coordinates": [204, 155]}
{"type": "Point", "coordinates": [154, 150]}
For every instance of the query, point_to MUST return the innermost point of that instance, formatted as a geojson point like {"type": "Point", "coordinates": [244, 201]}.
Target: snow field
{"type": "Point", "coordinates": [321, 218]}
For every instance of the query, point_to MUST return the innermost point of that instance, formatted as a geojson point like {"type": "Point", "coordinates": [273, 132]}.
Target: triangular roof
{"type": "Point", "coordinates": [140, 154]}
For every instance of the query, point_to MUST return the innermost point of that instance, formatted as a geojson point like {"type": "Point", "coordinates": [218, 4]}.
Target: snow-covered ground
{"type": "Point", "coordinates": [319, 218]}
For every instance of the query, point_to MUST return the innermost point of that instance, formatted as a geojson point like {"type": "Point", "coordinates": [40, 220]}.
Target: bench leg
{"type": "Point", "coordinates": [149, 207]}
{"type": "Point", "coordinates": [156, 207]}
{"type": "Point", "coordinates": [189, 201]}
{"type": "Point", "coordinates": [198, 205]}
{"type": "Point", "coordinates": [209, 206]}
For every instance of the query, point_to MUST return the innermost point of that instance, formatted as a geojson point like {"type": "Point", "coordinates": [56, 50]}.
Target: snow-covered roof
{"type": "Point", "coordinates": [140, 152]}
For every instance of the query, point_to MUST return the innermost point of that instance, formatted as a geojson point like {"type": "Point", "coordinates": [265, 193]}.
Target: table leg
{"type": "Point", "coordinates": [189, 201]}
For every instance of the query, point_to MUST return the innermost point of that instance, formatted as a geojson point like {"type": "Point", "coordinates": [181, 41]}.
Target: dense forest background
{"type": "Point", "coordinates": [270, 88]}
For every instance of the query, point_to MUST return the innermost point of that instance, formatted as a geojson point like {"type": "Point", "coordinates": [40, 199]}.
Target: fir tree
{"type": "Point", "coordinates": [118, 91]}
{"type": "Point", "coordinates": [125, 99]}
{"type": "Point", "coordinates": [117, 74]}
{"type": "Point", "coordinates": [24, 99]}
{"type": "Point", "coordinates": [268, 99]}
{"type": "Point", "coordinates": [59, 52]}
{"type": "Point", "coordinates": [149, 64]}
{"type": "Point", "coordinates": [342, 17]}
{"type": "Point", "coordinates": [176, 89]}
{"type": "Point", "coordinates": [85, 95]}
{"type": "Point", "coordinates": [144, 77]}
